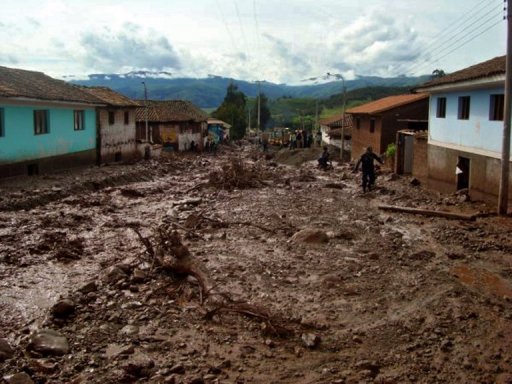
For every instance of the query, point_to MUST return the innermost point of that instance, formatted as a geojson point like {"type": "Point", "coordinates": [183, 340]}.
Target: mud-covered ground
{"type": "Point", "coordinates": [292, 276]}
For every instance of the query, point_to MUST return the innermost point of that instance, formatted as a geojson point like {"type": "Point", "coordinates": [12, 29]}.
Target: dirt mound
{"type": "Point", "coordinates": [296, 157]}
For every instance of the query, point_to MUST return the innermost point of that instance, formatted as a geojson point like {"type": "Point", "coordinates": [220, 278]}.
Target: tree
{"type": "Point", "coordinates": [437, 73]}
{"type": "Point", "coordinates": [232, 111]}
{"type": "Point", "coordinates": [264, 112]}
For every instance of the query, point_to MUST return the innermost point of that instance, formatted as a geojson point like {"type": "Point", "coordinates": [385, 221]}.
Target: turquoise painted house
{"type": "Point", "coordinates": [45, 124]}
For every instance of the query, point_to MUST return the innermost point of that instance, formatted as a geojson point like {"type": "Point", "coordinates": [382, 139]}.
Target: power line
{"type": "Point", "coordinates": [227, 26]}
{"type": "Point", "coordinates": [446, 36]}
{"type": "Point", "coordinates": [241, 29]}
{"type": "Point", "coordinates": [479, 30]}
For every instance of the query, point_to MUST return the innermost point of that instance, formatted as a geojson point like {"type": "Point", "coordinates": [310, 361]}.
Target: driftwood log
{"type": "Point", "coordinates": [428, 212]}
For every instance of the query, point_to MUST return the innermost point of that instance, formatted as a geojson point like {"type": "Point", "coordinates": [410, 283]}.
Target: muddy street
{"type": "Point", "coordinates": [248, 268]}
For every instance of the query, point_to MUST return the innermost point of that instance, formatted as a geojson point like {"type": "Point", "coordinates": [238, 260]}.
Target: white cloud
{"type": "Point", "coordinates": [281, 41]}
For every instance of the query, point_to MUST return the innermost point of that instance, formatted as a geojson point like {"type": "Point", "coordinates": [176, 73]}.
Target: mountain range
{"type": "Point", "coordinates": [209, 92]}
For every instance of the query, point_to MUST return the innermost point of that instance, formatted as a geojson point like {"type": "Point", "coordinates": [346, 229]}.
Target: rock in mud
{"type": "Point", "coordinates": [48, 342]}
{"type": "Point", "coordinates": [114, 274]}
{"type": "Point", "coordinates": [89, 287]}
{"type": "Point", "coordinates": [138, 276]}
{"type": "Point", "coordinates": [310, 340]}
{"type": "Point", "coordinates": [6, 352]}
{"type": "Point", "coordinates": [310, 236]}
{"type": "Point", "coordinates": [63, 308]}
{"type": "Point", "coordinates": [18, 378]}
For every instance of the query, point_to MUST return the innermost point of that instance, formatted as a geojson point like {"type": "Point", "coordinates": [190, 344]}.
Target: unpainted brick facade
{"type": "Point", "coordinates": [379, 130]}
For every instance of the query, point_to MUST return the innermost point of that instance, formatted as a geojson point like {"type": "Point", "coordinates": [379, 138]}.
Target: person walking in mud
{"type": "Point", "coordinates": [366, 160]}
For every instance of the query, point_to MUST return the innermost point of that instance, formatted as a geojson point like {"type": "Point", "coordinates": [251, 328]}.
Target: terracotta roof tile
{"type": "Point", "coordinates": [111, 97]}
{"type": "Point", "coordinates": [170, 110]}
{"type": "Point", "coordinates": [496, 66]}
{"type": "Point", "coordinates": [387, 103]}
{"type": "Point", "coordinates": [36, 85]}
{"type": "Point", "coordinates": [336, 121]}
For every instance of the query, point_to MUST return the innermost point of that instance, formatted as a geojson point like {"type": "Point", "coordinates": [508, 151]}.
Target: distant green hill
{"type": "Point", "coordinates": [209, 92]}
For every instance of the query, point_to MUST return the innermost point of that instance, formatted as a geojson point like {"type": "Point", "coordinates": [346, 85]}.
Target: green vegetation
{"type": "Point", "coordinates": [232, 111]}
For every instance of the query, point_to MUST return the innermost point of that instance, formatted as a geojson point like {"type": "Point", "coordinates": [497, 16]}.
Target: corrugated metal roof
{"type": "Point", "coordinates": [111, 97]}
{"type": "Point", "coordinates": [387, 103]}
{"type": "Point", "coordinates": [496, 66]}
{"type": "Point", "coordinates": [170, 111]}
{"type": "Point", "coordinates": [19, 83]}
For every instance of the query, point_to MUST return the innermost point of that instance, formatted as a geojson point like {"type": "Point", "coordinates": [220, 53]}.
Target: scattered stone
{"type": "Point", "coordinates": [178, 368]}
{"type": "Point", "coordinates": [310, 236]}
{"type": "Point", "coordinates": [393, 177]}
{"type": "Point", "coordinates": [310, 340]}
{"type": "Point", "coordinates": [129, 330]}
{"type": "Point", "coordinates": [48, 342]}
{"type": "Point", "coordinates": [415, 182]}
{"type": "Point", "coordinates": [6, 352]}
{"type": "Point", "coordinates": [423, 255]}
{"type": "Point", "coordinates": [197, 380]}
{"type": "Point", "coordinates": [18, 378]}
{"type": "Point", "coordinates": [63, 308]}
{"type": "Point", "coordinates": [139, 276]}
{"type": "Point", "coordinates": [114, 274]}
{"type": "Point", "coordinates": [89, 287]}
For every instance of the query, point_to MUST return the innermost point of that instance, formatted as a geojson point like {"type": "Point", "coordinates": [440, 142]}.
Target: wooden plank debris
{"type": "Point", "coordinates": [428, 212]}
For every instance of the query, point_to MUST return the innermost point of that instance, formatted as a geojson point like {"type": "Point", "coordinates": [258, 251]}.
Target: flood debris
{"type": "Point", "coordinates": [196, 274]}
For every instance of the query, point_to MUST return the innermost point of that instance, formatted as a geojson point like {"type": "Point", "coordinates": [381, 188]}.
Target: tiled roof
{"type": "Point", "coordinates": [336, 121]}
{"type": "Point", "coordinates": [212, 120]}
{"type": "Point", "coordinates": [170, 110]}
{"type": "Point", "coordinates": [36, 85]}
{"type": "Point", "coordinates": [488, 68]}
{"type": "Point", "coordinates": [387, 103]}
{"type": "Point", "coordinates": [111, 97]}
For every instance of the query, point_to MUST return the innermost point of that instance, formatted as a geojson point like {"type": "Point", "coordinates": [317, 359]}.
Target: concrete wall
{"type": "Point", "coordinates": [420, 158]}
{"type": "Point", "coordinates": [476, 133]}
{"type": "Point", "coordinates": [117, 140]}
{"type": "Point", "coordinates": [484, 173]}
{"type": "Point", "coordinates": [19, 143]}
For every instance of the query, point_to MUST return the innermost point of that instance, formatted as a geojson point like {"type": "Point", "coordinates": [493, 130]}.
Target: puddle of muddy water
{"type": "Point", "coordinates": [483, 280]}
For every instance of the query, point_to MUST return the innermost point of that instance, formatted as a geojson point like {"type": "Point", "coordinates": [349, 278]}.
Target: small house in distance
{"type": "Point", "coordinates": [115, 126]}
{"type": "Point", "coordinates": [175, 124]}
{"type": "Point", "coordinates": [45, 124]}
{"type": "Point", "coordinates": [466, 129]}
{"type": "Point", "coordinates": [376, 123]}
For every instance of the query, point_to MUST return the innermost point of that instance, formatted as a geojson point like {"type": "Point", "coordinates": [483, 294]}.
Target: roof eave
{"type": "Point", "coordinates": [51, 101]}
{"type": "Point", "coordinates": [484, 82]}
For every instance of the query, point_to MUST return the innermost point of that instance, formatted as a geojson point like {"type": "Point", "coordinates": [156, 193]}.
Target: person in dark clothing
{"type": "Point", "coordinates": [324, 159]}
{"type": "Point", "coordinates": [366, 161]}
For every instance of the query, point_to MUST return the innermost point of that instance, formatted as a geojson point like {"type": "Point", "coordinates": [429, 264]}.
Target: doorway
{"type": "Point", "coordinates": [462, 172]}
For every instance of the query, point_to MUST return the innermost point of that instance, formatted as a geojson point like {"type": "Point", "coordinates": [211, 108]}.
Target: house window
{"type": "Point", "coordinates": [496, 107]}
{"type": "Point", "coordinates": [111, 117]}
{"type": "Point", "coordinates": [358, 122]}
{"type": "Point", "coordinates": [441, 107]}
{"type": "Point", "coordinates": [464, 103]}
{"type": "Point", "coordinates": [372, 125]}
{"type": "Point", "coordinates": [2, 124]}
{"type": "Point", "coordinates": [126, 118]}
{"type": "Point", "coordinates": [78, 120]}
{"type": "Point", "coordinates": [40, 121]}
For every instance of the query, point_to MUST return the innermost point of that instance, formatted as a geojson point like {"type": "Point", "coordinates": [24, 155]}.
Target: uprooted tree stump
{"type": "Point", "coordinates": [168, 254]}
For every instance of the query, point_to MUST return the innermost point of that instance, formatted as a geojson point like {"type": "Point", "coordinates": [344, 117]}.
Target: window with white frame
{"type": "Point", "coordinates": [41, 121]}
{"type": "Point", "coordinates": [78, 120]}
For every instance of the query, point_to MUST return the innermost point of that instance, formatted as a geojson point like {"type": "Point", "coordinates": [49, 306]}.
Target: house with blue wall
{"type": "Point", "coordinates": [466, 129]}
{"type": "Point", "coordinates": [45, 124]}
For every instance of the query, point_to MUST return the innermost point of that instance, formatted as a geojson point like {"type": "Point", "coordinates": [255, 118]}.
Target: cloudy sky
{"type": "Point", "coordinates": [282, 41]}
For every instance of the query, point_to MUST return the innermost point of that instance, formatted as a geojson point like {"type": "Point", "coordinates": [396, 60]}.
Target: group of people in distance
{"type": "Point", "coordinates": [366, 161]}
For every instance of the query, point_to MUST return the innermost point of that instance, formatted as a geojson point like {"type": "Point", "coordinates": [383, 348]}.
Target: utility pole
{"type": "Point", "coordinates": [505, 153]}
{"type": "Point", "coordinates": [339, 76]}
{"type": "Point", "coordinates": [148, 138]}
{"type": "Point", "coordinates": [259, 106]}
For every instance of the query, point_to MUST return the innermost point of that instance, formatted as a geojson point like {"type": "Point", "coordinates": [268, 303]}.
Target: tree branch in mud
{"type": "Point", "coordinates": [170, 255]}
